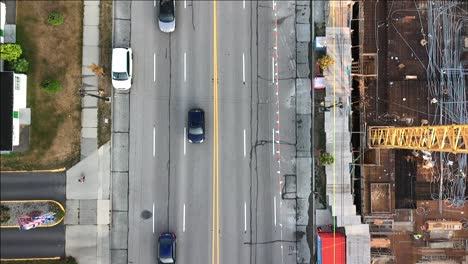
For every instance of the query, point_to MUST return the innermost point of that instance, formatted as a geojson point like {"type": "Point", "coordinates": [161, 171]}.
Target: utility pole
{"type": "Point", "coordinates": [324, 108]}
{"type": "Point", "coordinates": [83, 93]}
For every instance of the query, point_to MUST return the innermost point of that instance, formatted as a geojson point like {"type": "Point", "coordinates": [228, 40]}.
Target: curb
{"type": "Point", "coordinates": [31, 259]}
{"type": "Point", "coordinates": [37, 201]}
{"type": "Point", "coordinates": [22, 171]}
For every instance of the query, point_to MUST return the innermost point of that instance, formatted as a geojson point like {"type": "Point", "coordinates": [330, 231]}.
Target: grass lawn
{"type": "Point", "coordinates": [53, 52]}
{"type": "Point", "coordinates": [105, 43]}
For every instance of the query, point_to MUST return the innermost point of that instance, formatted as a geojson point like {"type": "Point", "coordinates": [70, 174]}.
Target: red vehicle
{"type": "Point", "coordinates": [331, 248]}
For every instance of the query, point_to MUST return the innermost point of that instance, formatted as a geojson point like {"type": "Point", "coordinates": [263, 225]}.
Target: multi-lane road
{"type": "Point", "coordinates": [219, 197]}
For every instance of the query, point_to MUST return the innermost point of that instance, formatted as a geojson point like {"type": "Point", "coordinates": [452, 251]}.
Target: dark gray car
{"type": "Point", "coordinates": [196, 126]}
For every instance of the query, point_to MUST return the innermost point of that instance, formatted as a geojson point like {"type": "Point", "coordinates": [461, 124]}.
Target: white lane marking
{"type": "Point", "coordinates": [185, 3]}
{"type": "Point", "coordinates": [244, 142]}
{"type": "Point", "coordinates": [183, 221]}
{"type": "Point", "coordinates": [154, 141]}
{"type": "Point", "coordinates": [273, 4]}
{"type": "Point", "coordinates": [245, 216]}
{"type": "Point", "coordinates": [282, 253]}
{"type": "Point", "coordinates": [243, 68]}
{"type": "Point", "coordinates": [273, 140]}
{"type": "Point", "coordinates": [243, 4]}
{"type": "Point", "coordinates": [272, 69]}
{"type": "Point", "coordinates": [154, 3]}
{"type": "Point", "coordinates": [274, 207]}
{"type": "Point", "coordinates": [185, 66]}
{"type": "Point", "coordinates": [153, 218]}
{"type": "Point", "coordinates": [154, 67]}
{"type": "Point", "coordinates": [185, 141]}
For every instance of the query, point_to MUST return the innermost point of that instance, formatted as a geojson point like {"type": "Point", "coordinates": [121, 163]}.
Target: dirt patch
{"type": "Point", "coordinates": [53, 52]}
{"type": "Point", "coordinates": [105, 85]}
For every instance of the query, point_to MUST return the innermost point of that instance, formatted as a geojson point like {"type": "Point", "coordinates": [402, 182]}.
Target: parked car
{"type": "Point", "coordinates": [167, 248]}
{"type": "Point", "coordinates": [167, 15]}
{"type": "Point", "coordinates": [196, 126]}
{"type": "Point", "coordinates": [122, 68]}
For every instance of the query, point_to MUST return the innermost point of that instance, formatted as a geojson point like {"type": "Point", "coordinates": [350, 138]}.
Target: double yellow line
{"type": "Point", "coordinates": [215, 206]}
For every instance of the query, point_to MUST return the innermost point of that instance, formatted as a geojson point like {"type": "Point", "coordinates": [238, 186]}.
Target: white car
{"type": "Point", "coordinates": [167, 15]}
{"type": "Point", "coordinates": [122, 60]}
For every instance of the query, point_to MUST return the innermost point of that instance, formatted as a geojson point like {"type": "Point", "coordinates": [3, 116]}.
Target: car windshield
{"type": "Point", "coordinates": [196, 131]}
{"type": "Point", "coordinates": [166, 13]}
{"type": "Point", "coordinates": [166, 260]}
{"type": "Point", "coordinates": [121, 76]}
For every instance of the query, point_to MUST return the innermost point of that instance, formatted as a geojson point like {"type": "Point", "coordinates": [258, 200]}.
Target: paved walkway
{"type": "Point", "coordinates": [88, 209]}
{"type": "Point", "coordinates": [90, 80]}
{"type": "Point", "coordinates": [303, 127]}
{"type": "Point", "coordinates": [88, 204]}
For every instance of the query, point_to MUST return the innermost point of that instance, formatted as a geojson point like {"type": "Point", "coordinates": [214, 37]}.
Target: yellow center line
{"type": "Point", "coordinates": [215, 208]}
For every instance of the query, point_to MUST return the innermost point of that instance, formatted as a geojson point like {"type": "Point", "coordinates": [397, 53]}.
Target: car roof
{"type": "Point", "coordinates": [166, 242]}
{"type": "Point", "coordinates": [119, 60]}
{"type": "Point", "coordinates": [196, 114]}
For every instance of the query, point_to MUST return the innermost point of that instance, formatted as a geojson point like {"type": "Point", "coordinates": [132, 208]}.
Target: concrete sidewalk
{"type": "Point", "coordinates": [88, 204]}
{"type": "Point", "coordinates": [89, 105]}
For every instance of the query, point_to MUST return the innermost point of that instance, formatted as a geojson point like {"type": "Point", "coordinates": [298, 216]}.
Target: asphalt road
{"type": "Point", "coordinates": [173, 178]}
{"type": "Point", "coordinates": [39, 242]}
{"type": "Point", "coordinates": [36, 243]}
{"type": "Point", "coordinates": [33, 186]}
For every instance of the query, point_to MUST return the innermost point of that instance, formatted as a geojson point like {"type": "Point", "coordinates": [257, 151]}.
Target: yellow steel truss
{"type": "Point", "coordinates": [449, 138]}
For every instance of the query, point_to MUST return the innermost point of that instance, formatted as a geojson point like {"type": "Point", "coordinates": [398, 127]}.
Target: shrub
{"type": "Point", "coordinates": [319, 29]}
{"type": "Point", "coordinates": [327, 159]}
{"type": "Point", "coordinates": [20, 65]}
{"type": "Point", "coordinates": [59, 213]}
{"type": "Point", "coordinates": [96, 69]}
{"type": "Point", "coordinates": [69, 260]}
{"type": "Point", "coordinates": [55, 19]}
{"type": "Point", "coordinates": [10, 52]}
{"type": "Point", "coordinates": [325, 61]}
{"type": "Point", "coordinates": [4, 214]}
{"type": "Point", "coordinates": [50, 86]}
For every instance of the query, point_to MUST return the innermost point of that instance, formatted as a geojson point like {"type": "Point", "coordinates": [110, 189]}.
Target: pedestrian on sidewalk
{"type": "Point", "coordinates": [82, 178]}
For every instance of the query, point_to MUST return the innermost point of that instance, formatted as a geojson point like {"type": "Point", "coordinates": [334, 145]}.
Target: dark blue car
{"type": "Point", "coordinates": [196, 126]}
{"type": "Point", "coordinates": [167, 248]}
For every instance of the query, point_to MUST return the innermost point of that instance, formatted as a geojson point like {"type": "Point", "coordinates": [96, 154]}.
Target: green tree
{"type": "Point", "coordinates": [327, 159]}
{"type": "Point", "coordinates": [55, 19]}
{"type": "Point", "coordinates": [325, 61]}
{"type": "Point", "coordinates": [50, 86]}
{"type": "Point", "coordinates": [10, 52]}
{"type": "Point", "coordinates": [5, 214]}
{"type": "Point", "coordinates": [59, 213]}
{"type": "Point", "coordinates": [20, 65]}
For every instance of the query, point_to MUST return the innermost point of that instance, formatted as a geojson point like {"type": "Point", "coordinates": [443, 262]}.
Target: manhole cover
{"type": "Point", "coordinates": [146, 214]}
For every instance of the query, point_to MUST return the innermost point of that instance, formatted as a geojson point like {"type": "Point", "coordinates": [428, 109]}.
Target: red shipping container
{"type": "Point", "coordinates": [331, 248]}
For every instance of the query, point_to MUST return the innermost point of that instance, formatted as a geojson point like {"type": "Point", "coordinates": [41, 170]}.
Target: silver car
{"type": "Point", "coordinates": [167, 16]}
